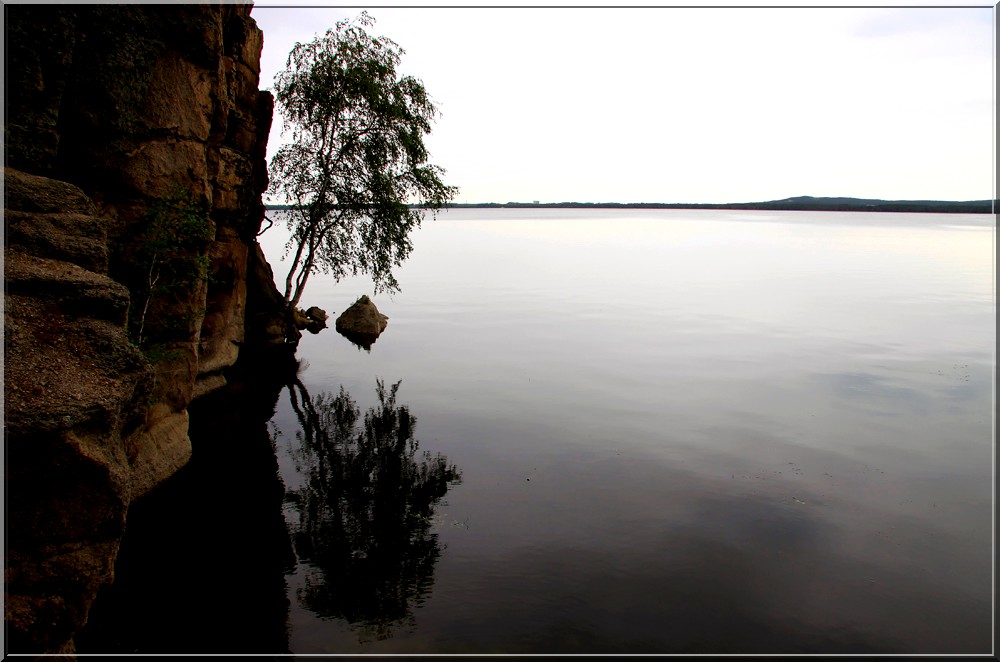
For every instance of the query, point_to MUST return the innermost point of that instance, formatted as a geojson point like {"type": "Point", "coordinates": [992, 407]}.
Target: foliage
{"type": "Point", "coordinates": [356, 159]}
{"type": "Point", "coordinates": [365, 509]}
{"type": "Point", "coordinates": [171, 256]}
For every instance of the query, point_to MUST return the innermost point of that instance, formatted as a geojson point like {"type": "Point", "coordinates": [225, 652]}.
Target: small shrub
{"type": "Point", "coordinates": [171, 258]}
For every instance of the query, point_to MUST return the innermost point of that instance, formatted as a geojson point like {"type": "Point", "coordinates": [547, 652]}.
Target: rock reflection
{"type": "Point", "coordinates": [360, 340]}
{"type": "Point", "coordinates": [365, 510]}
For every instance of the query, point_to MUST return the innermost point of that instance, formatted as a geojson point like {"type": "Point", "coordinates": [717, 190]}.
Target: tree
{"type": "Point", "coordinates": [356, 161]}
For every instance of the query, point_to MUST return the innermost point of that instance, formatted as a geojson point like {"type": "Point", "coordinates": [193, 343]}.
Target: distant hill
{"type": "Point", "coordinates": [810, 203]}
{"type": "Point", "coordinates": [799, 203]}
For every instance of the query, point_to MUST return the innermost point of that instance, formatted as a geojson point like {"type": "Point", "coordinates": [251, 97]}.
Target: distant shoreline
{"type": "Point", "coordinates": [804, 203]}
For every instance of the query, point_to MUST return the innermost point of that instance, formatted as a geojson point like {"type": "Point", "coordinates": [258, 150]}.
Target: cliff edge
{"type": "Point", "coordinates": [135, 139]}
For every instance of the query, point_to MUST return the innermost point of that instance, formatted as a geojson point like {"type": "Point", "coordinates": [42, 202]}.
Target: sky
{"type": "Point", "coordinates": [690, 105]}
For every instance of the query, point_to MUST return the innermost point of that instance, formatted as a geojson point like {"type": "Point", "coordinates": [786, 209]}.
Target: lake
{"type": "Point", "coordinates": [614, 431]}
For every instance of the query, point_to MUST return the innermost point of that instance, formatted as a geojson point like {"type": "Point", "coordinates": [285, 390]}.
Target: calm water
{"type": "Point", "coordinates": [649, 431]}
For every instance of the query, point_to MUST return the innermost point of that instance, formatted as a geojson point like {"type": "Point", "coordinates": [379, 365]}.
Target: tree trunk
{"type": "Point", "coordinates": [291, 270]}
{"type": "Point", "coordinates": [307, 266]}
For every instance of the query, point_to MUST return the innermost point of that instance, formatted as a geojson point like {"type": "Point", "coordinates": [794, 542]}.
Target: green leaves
{"type": "Point", "coordinates": [356, 159]}
{"type": "Point", "coordinates": [171, 255]}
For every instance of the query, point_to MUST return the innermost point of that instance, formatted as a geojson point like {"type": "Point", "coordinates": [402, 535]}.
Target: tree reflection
{"type": "Point", "coordinates": [365, 510]}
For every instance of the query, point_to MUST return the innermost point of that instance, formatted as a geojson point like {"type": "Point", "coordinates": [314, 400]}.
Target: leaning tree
{"type": "Point", "coordinates": [355, 170]}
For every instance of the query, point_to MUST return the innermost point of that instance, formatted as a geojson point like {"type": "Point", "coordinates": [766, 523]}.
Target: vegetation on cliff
{"type": "Point", "coordinates": [170, 258]}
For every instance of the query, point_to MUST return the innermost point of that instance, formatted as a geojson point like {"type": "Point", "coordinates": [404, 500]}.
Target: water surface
{"type": "Point", "coordinates": [688, 430]}
{"type": "Point", "coordinates": [649, 431]}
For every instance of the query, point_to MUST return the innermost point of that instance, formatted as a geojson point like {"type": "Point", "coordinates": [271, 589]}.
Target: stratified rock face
{"type": "Point", "coordinates": [138, 104]}
{"type": "Point", "coordinates": [113, 111]}
{"type": "Point", "coordinates": [270, 323]}
{"type": "Point", "coordinates": [362, 322]}
{"type": "Point", "coordinates": [74, 388]}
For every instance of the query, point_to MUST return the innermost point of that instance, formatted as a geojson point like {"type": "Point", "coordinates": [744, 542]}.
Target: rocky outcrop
{"type": "Point", "coordinates": [270, 325]}
{"type": "Point", "coordinates": [175, 545]}
{"type": "Point", "coordinates": [123, 123]}
{"type": "Point", "coordinates": [141, 104]}
{"type": "Point", "coordinates": [362, 323]}
{"type": "Point", "coordinates": [75, 389]}
{"type": "Point", "coordinates": [313, 319]}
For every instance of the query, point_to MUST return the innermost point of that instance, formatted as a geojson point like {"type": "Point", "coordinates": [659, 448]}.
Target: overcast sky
{"type": "Point", "coordinates": [691, 105]}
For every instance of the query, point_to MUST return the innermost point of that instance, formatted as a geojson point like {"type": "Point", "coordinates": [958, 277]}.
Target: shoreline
{"type": "Point", "coordinates": [894, 206]}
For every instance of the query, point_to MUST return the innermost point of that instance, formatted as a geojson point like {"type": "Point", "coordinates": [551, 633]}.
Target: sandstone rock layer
{"type": "Point", "coordinates": [113, 111]}
{"type": "Point", "coordinates": [75, 388]}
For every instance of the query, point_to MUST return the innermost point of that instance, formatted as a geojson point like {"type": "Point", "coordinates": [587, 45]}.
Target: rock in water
{"type": "Point", "coordinates": [317, 313]}
{"type": "Point", "coordinates": [362, 322]}
{"type": "Point", "coordinates": [312, 320]}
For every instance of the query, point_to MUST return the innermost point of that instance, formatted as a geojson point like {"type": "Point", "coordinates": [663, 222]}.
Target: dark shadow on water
{"type": "Point", "coordinates": [365, 510]}
{"type": "Point", "coordinates": [202, 564]}
{"type": "Point", "coordinates": [202, 567]}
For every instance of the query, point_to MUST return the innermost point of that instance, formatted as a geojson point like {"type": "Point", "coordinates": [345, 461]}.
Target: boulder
{"type": "Point", "coordinates": [362, 322]}
{"type": "Point", "coordinates": [317, 313]}
{"type": "Point", "coordinates": [312, 320]}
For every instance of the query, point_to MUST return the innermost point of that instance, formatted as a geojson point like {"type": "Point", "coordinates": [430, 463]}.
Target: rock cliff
{"type": "Point", "coordinates": [135, 140]}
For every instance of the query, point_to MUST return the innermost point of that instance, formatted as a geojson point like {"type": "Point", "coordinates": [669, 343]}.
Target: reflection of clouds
{"type": "Point", "coordinates": [762, 547]}
{"type": "Point", "coordinates": [851, 385]}
{"type": "Point", "coordinates": [775, 583]}
{"type": "Point", "coordinates": [883, 395]}
{"type": "Point", "coordinates": [682, 592]}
